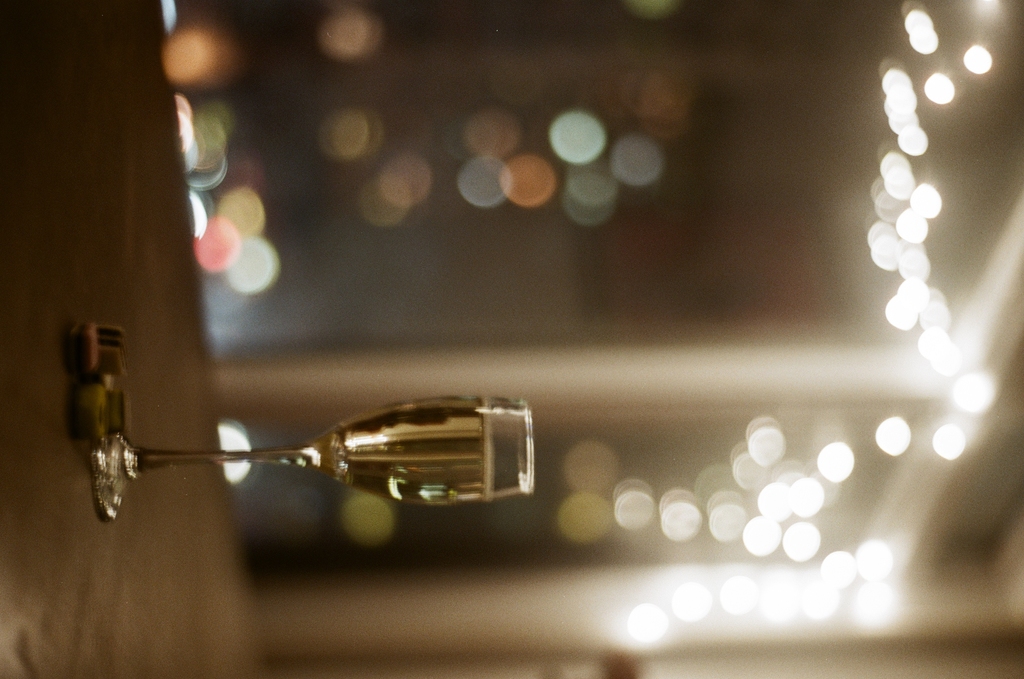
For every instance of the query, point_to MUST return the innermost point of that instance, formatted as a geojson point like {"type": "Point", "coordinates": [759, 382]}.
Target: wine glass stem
{"type": "Point", "coordinates": [302, 456]}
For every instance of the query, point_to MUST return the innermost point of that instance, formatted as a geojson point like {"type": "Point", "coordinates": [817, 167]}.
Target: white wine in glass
{"type": "Point", "coordinates": [435, 451]}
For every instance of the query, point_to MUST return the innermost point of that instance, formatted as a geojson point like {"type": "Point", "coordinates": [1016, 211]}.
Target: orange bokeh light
{"type": "Point", "coordinates": [528, 180]}
{"type": "Point", "coordinates": [200, 56]}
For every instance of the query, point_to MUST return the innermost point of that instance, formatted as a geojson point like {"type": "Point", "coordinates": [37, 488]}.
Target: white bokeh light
{"type": "Point", "coordinates": [773, 501]}
{"type": "Point", "coordinates": [949, 362]}
{"type": "Point", "coordinates": [915, 293]}
{"type": "Point", "coordinates": [680, 517]}
{"type": "Point", "coordinates": [780, 598]}
{"type": "Point", "coordinates": [900, 314]}
{"type": "Point", "coordinates": [765, 441]}
{"type": "Point", "coordinates": [233, 437]}
{"type": "Point", "coordinates": [839, 569]}
{"type": "Point", "coordinates": [692, 602]}
{"type": "Point", "coordinates": [479, 182]}
{"type": "Point", "coordinates": [806, 497]}
{"type": "Point", "coordinates": [801, 541]}
{"type": "Point", "coordinates": [924, 40]}
{"type": "Point", "coordinates": [835, 462]}
{"type": "Point", "coordinates": [978, 60]}
{"type": "Point", "coordinates": [939, 88]}
{"type": "Point", "coordinates": [926, 201]}
{"type": "Point", "coordinates": [893, 436]}
{"type": "Point", "coordinates": [974, 392]}
{"type": "Point", "coordinates": [739, 595]}
{"type": "Point", "coordinates": [912, 227]}
{"type": "Point", "coordinates": [874, 560]}
{"type": "Point", "coordinates": [637, 160]}
{"type": "Point", "coordinates": [912, 140]}
{"type": "Point", "coordinates": [256, 268]}
{"type": "Point", "coordinates": [647, 623]}
{"type": "Point", "coordinates": [933, 342]}
{"type": "Point", "coordinates": [949, 441]}
{"type": "Point", "coordinates": [819, 600]}
{"type": "Point", "coordinates": [634, 505]}
{"type": "Point", "coordinates": [577, 137]}
{"type": "Point", "coordinates": [762, 536]}
{"type": "Point", "coordinates": [199, 215]}
{"type": "Point", "coordinates": [875, 604]}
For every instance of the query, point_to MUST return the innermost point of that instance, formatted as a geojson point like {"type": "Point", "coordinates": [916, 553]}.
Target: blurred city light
{"type": "Point", "coordinates": [244, 208]}
{"type": "Point", "coordinates": [492, 132]}
{"type": "Point", "coordinates": [405, 180]}
{"type": "Point", "coordinates": [590, 194]}
{"type": "Point", "coordinates": [839, 569]}
{"type": "Point", "coordinates": [739, 595]}
{"type": "Point", "coordinates": [819, 600]}
{"type": "Point", "coordinates": [780, 597]}
{"type": "Point", "coordinates": [801, 541]}
{"type": "Point", "coordinates": [974, 392]}
{"type": "Point", "coordinates": [835, 462]}
{"type": "Point", "coordinates": [369, 521]}
{"type": "Point", "coordinates": [634, 504]}
{"type": "Point", "coordinates": [584, 517]}
{"type": "Point", "coordinates": [200, 56]}
{"type": "Point", "coordinates": [875, 604]}
{"type": "Point", "coordinates": [806, 497]}
{"type": "Point", "coordinates": [219, 246]}
{"type": "Point", "coordinates": [637, 160]}
{"type": "Point", "coordinates": [692, 602]}
{"type": "Point", "coordinates": [912, 227]}
{"type": "Point", "coordinates": [726, 516]}
{"type": "Point", "coordinates": [978, 60]}
{"type": "Point", "coordinates": [939, 88]}
{"type": "Point", "coordinates": [926, 201]}
{"type": "Point", "coordinates": [773, 501]}
{"type": "Point", "coordinates": [199, 216]}
{"type": "Point", "coordinates": [652, 9]}
{"type": "Point", "coordinates": [233, 437]}
{"type": "Point", "coordinates": [900, 314]}
{"type": "Point", "coordinates": [949, 441]}
{"type": "Point", "coordinates": [912, 140]}
{"type": "Point", "coordinates": [749, 475]}
{"type": "Point", "coordinates": [479, 182]}
{"type": "Point", "coordinates": [762, 536]}
{"type": "Point", "coordinates": [647, 623]}
{"type": "Point", "coordinates": [528, 180]}
{"type": "Point", "coordinates": [914, 262]}
{"type": "Point", "coordinates": [577, 137]}
{"type": "Point", "coordinates": [893, 436]}
{"type": "Point", "coordinates": [350, 134]}
{"type": "Point", "coordinates": [765, 441]}
{"type": "Point", "coordinates": [681, 518]}
{"type": "Point", "coordinates": [874, 560]}
{"type": "Point", "coordinates": [256, 268]}
{"type": "Point", "coordinates": [350, 33]}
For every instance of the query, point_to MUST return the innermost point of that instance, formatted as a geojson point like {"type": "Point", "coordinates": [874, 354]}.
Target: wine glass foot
{"type": "Point", "coordinates": [114, 464]}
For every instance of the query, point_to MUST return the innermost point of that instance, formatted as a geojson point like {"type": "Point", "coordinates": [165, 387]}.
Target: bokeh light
{"type": "Point", "coordinates": [914, 262]}
{"type": "Point", "coordinates": [233, 437]}
{"type": "Point", "coordinates": [185, 128]}
{"type": "Point", "coordinates": [974, 392]}
{"type": "Point", "coordinates": [739, 595]}
{"type": "Point", "coordinates": [835, 462]}
{"type": "Point", "coordinates": [243, 206]}
{"type": "Point", "coordinates": [900, 314]}
{"type": "Point", "coordinates": [528, 180]}
{"type": "Point", "coordinates": [762, 536]}
{"type": "Point", "coordinates": [801, 541]}
{"type": "Point", "coordinates": [978, 60]}
{"type": "Point", "coordinates": [377, 207]}
{"type": "Point", "coordinates": [200, 56]}
{"type": "Point", "coordinates": [912, 227]}
{"type": "Point", "coordinates": [949, 441]}
{"type": "Point", "coordinates": [875, 604]}
{"type": "Point", "coordinates": [897, 175]}
{"type": "Point", "coordinates": [577, 137]}
{"type": "Point", "coordinates": [819, 600]}
{"type": "Point", "coordinates": [199, 216]}
{"type": "Point", "coordinates": [780, 597]}
{"type": "Point", "coordinates": [726, 516]}
{"type": "Point", "coordinates": [479, 182]}
{"type": "Point", "coordinates": [874, 560]}
{"type": "Point", "coordinates": [773, 501]}
{"type": "Point", "coordinates": [939, 88]}
{"type": "Point", "coordinates": [350, 33]}
{"type": "Point", "coordinates": [634, 504]}
{"type": "Point", "coordinates": [637, 160]}
{"type": "Point", "coordinates": [748, 474]}
{"type": "Point", "coordinates": [692, 602]}
{"type": "Point", "coordinates": [926, 201]}
{"type": "Point", "coordinates": [912, 140]}
{"type": "Point", "coordinates": [351, 133]}
{"type": "Point", "coordinates": [806, 497]}
{"type": "Point", "coordinates": [492, 132]}
{"type": "Point", "coordinates": [369, 521]}
{"type": "Point", "coordinates": [914, 293]}
{"type": "Point", "coordinates": [584, 517]}
{"type": "Point", "coordinates": [893, 436]}
{"type": "Point", "coordinates": [681, 518]}
{"type": "Point", "coordinates": [590, 465]}
{"type": "Point", "coordinates": [219, 246]}
{"type": "Point", "coordinates": [652, 9]}
{"type": "Point", "coordinates": [256, 268]}
{"type": "Point", "coordinates": [647, 623]}
{"type": "Point", "coordinates": [589, 195]}
{"type": "Point", "coordinates": [839, 569]}
{"type": "Point", "coordinates": [949, 362]}
{"type": "Point", "coordinates": [405, 180]}
{"type": "Point", "coordinates": [921, 31]}
{"type": "Point", "coordinates": [885, 246]}
{"type": "Point", "coordinates": [765, 441]}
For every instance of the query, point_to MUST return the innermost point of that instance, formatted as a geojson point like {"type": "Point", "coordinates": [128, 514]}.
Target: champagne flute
{"type": "Point", "coordinates": [435, 451]}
